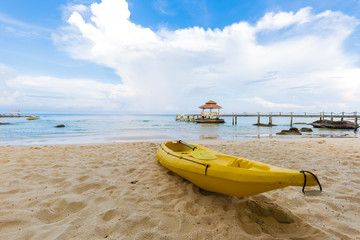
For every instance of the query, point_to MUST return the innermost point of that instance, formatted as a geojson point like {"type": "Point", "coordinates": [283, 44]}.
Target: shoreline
{"type": "Point", "coordinates": [139, 139]}
{"type": "Point", "coordinates": [80, 129]}
{"type": "Point", "coordinates": [120, 191]}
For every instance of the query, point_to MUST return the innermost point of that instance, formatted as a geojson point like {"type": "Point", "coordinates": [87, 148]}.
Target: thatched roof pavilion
{"type": "Point", "coordinates": [210, 117]}
{"type": "Point", "coordinates": [210, 105]}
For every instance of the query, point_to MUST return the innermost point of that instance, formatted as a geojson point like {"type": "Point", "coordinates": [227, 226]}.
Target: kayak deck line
{"type": "Point", "coordinates": [229, 175]}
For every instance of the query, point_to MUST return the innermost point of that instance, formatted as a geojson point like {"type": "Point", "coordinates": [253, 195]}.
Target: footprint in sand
{"type": "Point", "coordinates": [58, 210]}
{"type": "Point", "coordinates": [83, 187]}
{"type": "Point", "coordinates": [57, 180]}
{"type": "Point", "coordinates": [11, 225]}
{"type": "Point", "coordinates": [167, 222]}
{"type": "Point", "coordinates": [110, 214]}
{"type": "Point", "coordinates": [265, 217]}
{"type": "Point", "coordinates": [83, 178]}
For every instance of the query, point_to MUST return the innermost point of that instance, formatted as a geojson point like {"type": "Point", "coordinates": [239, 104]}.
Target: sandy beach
{"type": "Point", "coordinates": [120, 191]}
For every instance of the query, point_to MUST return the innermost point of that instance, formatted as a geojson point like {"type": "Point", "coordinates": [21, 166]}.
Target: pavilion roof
{"type": "Point", "coordinates": [210, 105]}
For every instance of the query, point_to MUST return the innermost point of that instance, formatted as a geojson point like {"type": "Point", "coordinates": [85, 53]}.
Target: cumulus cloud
{"type": "Point", "coordinates": [285, 61]}
{"type": "Point", "coordinates": [59, 94]}
{"type": "Point", "coordinates": [292, 57]}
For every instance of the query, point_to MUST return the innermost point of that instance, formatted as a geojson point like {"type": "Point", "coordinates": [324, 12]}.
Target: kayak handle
{"type": "Point", "coordinates": [188, 145]}
{"type": "Point", "coordinates": [317, 180]}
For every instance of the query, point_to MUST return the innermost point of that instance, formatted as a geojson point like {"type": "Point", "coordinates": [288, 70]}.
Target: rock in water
{"type": "Point", "coordinates": [305, 129]}
{"type": "Point", "coordinates": [60, 126]}
{"type": "Point", "coordinates": [32, 118]}
{"type": "Point", "coordinates": [291, 131]}
{"type": "Point", "coordinates": [335, 124]}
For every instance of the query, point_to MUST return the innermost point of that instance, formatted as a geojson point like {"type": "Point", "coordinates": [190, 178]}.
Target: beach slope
{"type": "Point", "coordinates": [120, 191]}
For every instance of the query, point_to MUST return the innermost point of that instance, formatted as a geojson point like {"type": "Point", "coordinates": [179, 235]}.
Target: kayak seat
{"type": "Point", "coordinates": [243, 163]}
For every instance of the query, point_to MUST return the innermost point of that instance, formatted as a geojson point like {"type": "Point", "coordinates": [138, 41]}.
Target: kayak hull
{"type": "Point", "coordinates": [227, 174]}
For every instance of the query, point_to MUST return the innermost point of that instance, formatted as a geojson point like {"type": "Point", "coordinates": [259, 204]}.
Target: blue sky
{"type": "Point", "coordinates": [162, 56]}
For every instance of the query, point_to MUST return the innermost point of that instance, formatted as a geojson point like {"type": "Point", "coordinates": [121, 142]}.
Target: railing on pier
{"type": "Point", "coordinates": [321, 115]}
{"type": "Point", "coordinates": [11, 116]}
{"type": "Point", "coordinates": [186, 117]}
{"type": "Point", "coordinates": [210, 114]}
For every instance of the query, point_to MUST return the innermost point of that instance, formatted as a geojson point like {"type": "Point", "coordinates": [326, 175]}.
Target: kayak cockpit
{"type": "Point", "coordinates": [246, 164]}
{"type": "Point", "coordinates": [220, 159]}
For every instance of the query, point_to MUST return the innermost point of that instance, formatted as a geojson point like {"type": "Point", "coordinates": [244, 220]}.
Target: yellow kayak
{"type": "Point", "coordinates": [221, 173]}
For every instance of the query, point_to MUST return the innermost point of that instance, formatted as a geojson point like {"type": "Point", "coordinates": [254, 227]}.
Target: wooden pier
{"type": "Point", "coordinates": [11, 116]}
{"type": "Point", "coordinates": [187, 117]}
{"type": "Point", "coordinates": [322, 115]}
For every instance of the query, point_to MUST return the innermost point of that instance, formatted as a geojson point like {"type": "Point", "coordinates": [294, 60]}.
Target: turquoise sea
{"type": "Point", "coordinates": [82, 129]}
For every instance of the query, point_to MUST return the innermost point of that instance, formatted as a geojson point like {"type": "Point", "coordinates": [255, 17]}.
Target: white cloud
{"type": "Point", "coordinates": [66, 95]}
{"type": "Point", "coordinates": [275, 106]}
{"type": "Point", "coordinates": [275, 21]}
{"type": "Point", "coordinates": [23, 29]}
{"type": "Point", "coordinates": [297, 58]}
{"type": "Point", "coordinates": [8, 96]}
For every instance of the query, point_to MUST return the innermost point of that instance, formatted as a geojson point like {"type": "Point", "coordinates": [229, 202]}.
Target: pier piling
{"type": "Point", "coordinates": [355, 114]}
{"type": "Point", "coordinates": [258, 115]}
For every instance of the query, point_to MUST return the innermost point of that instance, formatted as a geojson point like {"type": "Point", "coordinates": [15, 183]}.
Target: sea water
{"type": "Point", "coordinates": [83, 129]}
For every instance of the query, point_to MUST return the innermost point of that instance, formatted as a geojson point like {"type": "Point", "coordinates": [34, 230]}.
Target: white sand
{"type": "Point", "coordinates": [120, 191]}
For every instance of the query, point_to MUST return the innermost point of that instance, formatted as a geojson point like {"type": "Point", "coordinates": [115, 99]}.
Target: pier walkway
{"type": "Point", "coordinates": [12, 116]}
{"type": "Point", "coordinates": [322, 116]}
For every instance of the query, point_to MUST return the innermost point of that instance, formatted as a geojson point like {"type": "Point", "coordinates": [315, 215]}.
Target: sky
{"type": "Point", "coordinates": [171, 56]}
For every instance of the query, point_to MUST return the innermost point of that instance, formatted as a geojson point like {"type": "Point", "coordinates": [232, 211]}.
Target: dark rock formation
{"type": "Point", "coordinates": [4, 123]}
{"type": "Point", "coordinates": [305, 129]}
{"type": "Point", "coordinates": [291, 131]}
{"type": "Point", "coordinates": [335, 124]}
{"type": "Point", "coordinates": [264, 124]}
{"type": "Point", "coordinates": [60, 126]}
{"type": "Point", "coordinates": [209, 120]}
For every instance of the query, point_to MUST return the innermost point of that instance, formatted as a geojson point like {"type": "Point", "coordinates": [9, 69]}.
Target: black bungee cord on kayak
{"type": "Point", "coordinates": [317, 180]}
